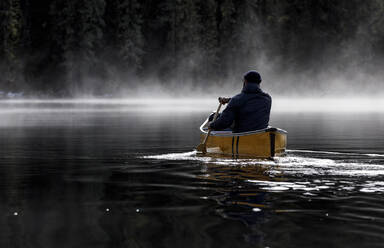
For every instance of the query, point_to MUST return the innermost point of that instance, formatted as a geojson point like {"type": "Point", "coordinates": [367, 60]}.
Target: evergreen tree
{"type": "Point", "coordinates": [10, 63]}
{"type": "Point", "coordinates": [375, 27]}
{"type": "Point", "coordinates": [183, 42]}
{"type": "Point", "coordinates": [130, 37]}
{"type": "Point", "coordinates": [209, 42]}
{"type": "Point", "coordinates": [68, 47]}
{"type": "Point", "coordinates": [226, 27]}
{"type": "Point", "coordinates": [64, 39]}
{"type": "Point", "coordinates": [79, 37]}
{"type": "Point", "coordinates": [125, 35]}
{"type": "Point", "coordinates": [90, 42]}
{"type": "Point", "coordinates": [248, 36]}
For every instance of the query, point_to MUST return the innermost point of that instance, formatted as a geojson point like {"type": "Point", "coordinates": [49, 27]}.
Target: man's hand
{"type": "Point", "coordinates": [224, 100]}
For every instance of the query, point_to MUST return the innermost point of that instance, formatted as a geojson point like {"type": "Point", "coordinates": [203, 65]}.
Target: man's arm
{"type": "Point", "coordinates": [226, 118]}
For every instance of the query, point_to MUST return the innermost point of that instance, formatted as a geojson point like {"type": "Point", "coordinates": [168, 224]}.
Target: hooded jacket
{"type": "Point", "coordinates": [249, 110]}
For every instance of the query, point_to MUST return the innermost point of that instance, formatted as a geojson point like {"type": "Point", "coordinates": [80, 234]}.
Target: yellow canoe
{"type": "Point", "coordinates": [265, 143]}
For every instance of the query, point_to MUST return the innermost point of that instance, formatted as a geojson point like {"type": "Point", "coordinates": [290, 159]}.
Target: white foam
{"type": "Point", "coordinates": [175, 156]}
{"type": "Point", "coordinates": [372, 187]}
{"type": "Point", "coordinates": [298, 166]}
{"type": "Point", "coordinates": [288, 165]}
{"type": "Point", "coordinates": [338, 153]}
{"type": "Point", "coordinates": [283, 186]}
{"type": "Point", "coordinates": [276, 188]}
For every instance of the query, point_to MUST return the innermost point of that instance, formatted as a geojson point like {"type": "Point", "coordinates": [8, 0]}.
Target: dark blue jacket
{"type": "Point", "coordinates": [250, 110]}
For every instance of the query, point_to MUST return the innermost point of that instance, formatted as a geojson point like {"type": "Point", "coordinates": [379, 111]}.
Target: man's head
{"type": "Point", "coordinates": [252, 77]}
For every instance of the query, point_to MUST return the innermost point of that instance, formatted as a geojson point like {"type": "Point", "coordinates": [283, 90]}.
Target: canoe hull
{"type": "Point", "coordinates": [266, 143]}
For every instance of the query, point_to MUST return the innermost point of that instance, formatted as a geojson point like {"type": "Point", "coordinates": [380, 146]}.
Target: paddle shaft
{"type": "Point", "coordinates": [214, 118]}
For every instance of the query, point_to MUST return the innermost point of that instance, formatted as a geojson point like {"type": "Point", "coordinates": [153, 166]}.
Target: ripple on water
{"type": "Point", "coordinates": [288, 172]}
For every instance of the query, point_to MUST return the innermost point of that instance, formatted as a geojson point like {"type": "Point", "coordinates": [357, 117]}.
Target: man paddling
{"type": "Point", "coordinates": [248, 110]}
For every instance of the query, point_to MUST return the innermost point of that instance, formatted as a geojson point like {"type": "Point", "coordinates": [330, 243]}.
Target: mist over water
{"type": "Point", "coordinates": [197, 49]}
{"type": "Point", "coordinates": [279, 105]}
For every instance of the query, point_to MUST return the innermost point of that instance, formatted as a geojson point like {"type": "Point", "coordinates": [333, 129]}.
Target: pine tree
{"type": "Point", "coordinates": [124, 41]}
{"type": "Point", "coordinates": [183, 42]}
{"type": "Point", "coordinates": [248, 35]}
{"type": "Point", "coordinates": [10, 63]}
{"type": "Point", "coordinates": [124, 34]}
{"type": "Point", "coordinates": [79, 37]}
{"type": "Point", "coordinates": [209, 41]}
{"type": "Point", "coordinates": [90, 40]}
{"type": "Point", "coordinates": [130, 38]}
{"type": "Point", "coordinates": [374, 30]}
{"type": "Point", "coordinates": [71, 46]}
{"type": "Point", "coordinates": [378, 27]}
{"type": "Point", "coordinates": [64, 41]}
{"type": "Point", "coordinates": [226, 28]}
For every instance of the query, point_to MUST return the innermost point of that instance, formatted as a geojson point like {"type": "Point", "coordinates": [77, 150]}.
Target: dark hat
{"type": "Point", "coordinates": [252, 77]}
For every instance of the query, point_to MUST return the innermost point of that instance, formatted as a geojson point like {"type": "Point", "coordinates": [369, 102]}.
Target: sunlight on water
{"type": "Point", "coordinates": [339, 153]}
{"type": "Point", "coordinates": [294, 165]}
{"type": "Point", "coordinates": [291, 164]}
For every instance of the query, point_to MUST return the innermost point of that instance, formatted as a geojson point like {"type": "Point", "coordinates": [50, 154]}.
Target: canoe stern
{"type": "Point", "coordinates": [266, 144]}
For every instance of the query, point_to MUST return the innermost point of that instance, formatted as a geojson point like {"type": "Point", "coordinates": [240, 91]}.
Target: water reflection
{"type": "Point", "coordinates": [127, 177]}
{"type": "Point", "coordinates": [239, 201]}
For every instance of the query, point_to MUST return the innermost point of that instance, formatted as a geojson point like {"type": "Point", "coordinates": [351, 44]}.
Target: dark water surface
{"type": "Point", "coordinates": [126, 175]}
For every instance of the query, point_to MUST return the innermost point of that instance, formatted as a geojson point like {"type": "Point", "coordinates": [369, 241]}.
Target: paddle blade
{"type": "Point", "coordinates": [202, 148]}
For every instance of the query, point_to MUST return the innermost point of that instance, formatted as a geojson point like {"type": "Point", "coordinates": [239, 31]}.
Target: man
{"type": "Point", "coordinates": [249, 110]}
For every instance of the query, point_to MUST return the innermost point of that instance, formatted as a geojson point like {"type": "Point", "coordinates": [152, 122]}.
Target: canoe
{"type": "Point", "coordinates": [264, 143]}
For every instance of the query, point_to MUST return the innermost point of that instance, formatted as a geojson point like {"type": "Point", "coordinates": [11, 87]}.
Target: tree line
{"type": "Point", "coordinates": [98, 47]}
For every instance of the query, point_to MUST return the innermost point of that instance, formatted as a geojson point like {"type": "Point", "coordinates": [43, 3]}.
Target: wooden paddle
{"type": "Point", "coordinates": [203, 146]}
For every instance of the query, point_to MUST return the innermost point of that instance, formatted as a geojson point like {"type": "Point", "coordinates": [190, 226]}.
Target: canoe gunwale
{"type": "Point", "coordinates": [230, 134]}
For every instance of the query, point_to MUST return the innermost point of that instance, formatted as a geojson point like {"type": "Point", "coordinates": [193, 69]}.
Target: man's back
{"type": "Point", "coordinates": [249, 110]}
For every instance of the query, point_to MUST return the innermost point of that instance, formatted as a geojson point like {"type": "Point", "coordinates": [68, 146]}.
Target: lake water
{"type": "Point", "coordinates": [125, 174]}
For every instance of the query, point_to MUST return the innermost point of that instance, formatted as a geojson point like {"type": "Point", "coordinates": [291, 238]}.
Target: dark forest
{"type": "Point", "coordinates": [100, 47]}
